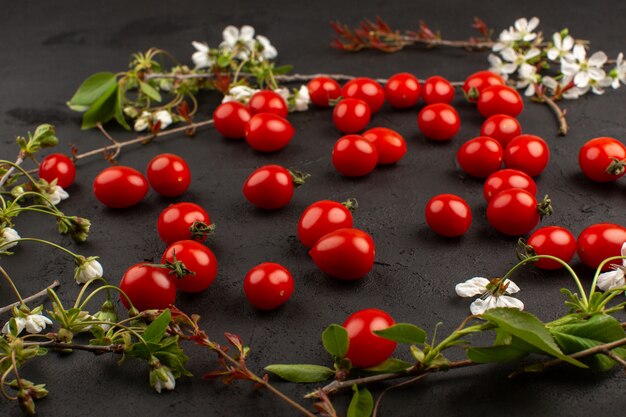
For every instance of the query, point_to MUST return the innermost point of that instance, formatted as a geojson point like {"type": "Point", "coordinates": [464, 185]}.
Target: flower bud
{"type": "Point", "coordinates": [8, 238]}
{"type": "Point", "coordinates": [26, 401]}
{"type": "Point", "coordinates": [87, 269]}
{"type": "Point", "coordinates": [161, 376]}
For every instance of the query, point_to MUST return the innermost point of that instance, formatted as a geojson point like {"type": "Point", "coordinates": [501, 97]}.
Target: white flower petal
{"type": "Point", "coordinates": [579, 53]}
{"type": "Point", "coordinates": [568, 43]}
{"type": "Point", "coordinates": [581, 79]}
{"type": "Point", "coordinates": [230, 36]}
{"type": "Point", "coordinates": [472, 287]}
{"type": "Point", "coordinates": [610, 280]}
{"type": "Point", "coordinates": [509, 54]}
{"type": "Point", "coordinates": [512, 287]}
{"type": "Point", "coordinates": [596, 74]}
{"type": "Point", "coordinates": [532, 24]}
{"type": "Point", "coordinates": [479, 306]}
{"type": "Point", "coordinates": [200, 46]}
{"type": "Point", "coordinates": [598, 59]}
{"type": "Point", "coordinates": [246, 33]}
{"type": "Point", "coordinates": [506, 301]}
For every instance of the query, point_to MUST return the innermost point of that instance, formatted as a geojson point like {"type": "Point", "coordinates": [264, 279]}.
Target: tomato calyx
{"type": "Point", "coordinates": [298, 177]}
{"type": "Point", "coordinates": [200, 230]}
{"type": "Point", "coordinates": [472, 94]}
{"type": "Point", "coordinates": [351, 204]}
{"type": "Point", "coordinates": [616, 167]}
{"type": "Point", "coordinates": [524, 250]}
{"type": "Point", "coordinates": [332, 102]}
{"type": "Point", "coordinates": [544, 208]}
{"type": "Point", "coordinates": [175, 267]}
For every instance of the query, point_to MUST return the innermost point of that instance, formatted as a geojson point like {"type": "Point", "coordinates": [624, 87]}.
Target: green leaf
{"type": "Point", "coordinates": [91, 90]}
{"type": "Point", "coordinates": [102, 110]}
{"type": "Point", "coordinates": [156, 330]}
{"type": "Point", "coordinates": [335, 340]}
{"type": "Point", "coordinates": [301, 372]}
{"type": "Point", "coordinates": [223, 61]}
{"type": "Point", "coordinates": [390, 365]}
{"type": "Point", "coordinates": [495, 354]}
{"type": "Point", "coordinates": [150, 91]}
{"type": "Point", "coordinates": [119, 109]}
{"type": "Point", "coordinates": [403, 333]}
{"type": "Point", "coordinates": [528, 328]}
{"type": "Point", "coordinates": [283, 69]}
{"type": "Point", "coordinates": [362, 403]}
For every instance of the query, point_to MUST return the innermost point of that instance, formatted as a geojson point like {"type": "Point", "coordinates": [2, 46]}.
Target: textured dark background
{"type": "Point", "coordinates": [48, 48]}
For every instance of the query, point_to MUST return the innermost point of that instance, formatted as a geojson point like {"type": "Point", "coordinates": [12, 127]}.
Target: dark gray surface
{"type": "Point", "coordinates": [48, 49]}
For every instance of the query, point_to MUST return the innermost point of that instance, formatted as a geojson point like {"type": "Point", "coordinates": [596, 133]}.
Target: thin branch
{"type": "Point", "coordinates": [615, 357]}
{"type": "Point", "coordinates": [116, 144]}
{"type": "Point", "coordinates": [33, 297]}
{"type": "Point", "coordinates": [559, 113]}
{"type": "Point", "coordinates": [7, 175]}
{"type": "Point", "coordinates": [98, 350]}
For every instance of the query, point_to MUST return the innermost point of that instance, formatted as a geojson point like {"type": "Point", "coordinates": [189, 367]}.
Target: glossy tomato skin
{"type": "Point", "coordinates": [230, 119]}
{"type": "Point", "coordinates": [365, 89]}
{"type": "Point", "coordinates": [169, 175]}
{"type": "Point", "coordinates": [321, 218]}
{"type": "Point", "coordinates": [597, 155]}
{"type": "Point", "coordinates": [599, 242]}
{"type": "Point", "coordinates": [176, 222]}
{"type": "Point", "coordinates": [480, 157]}
{"type": "Point", "coordinates": [439, 121]}
{"type": "Point", "coordinates": [506, 179]}
{"type": "Point", "coordinates": [475, 83]}
{"type": "Point", "coordinates": [367, 349]}
{"type": "Point", "coordinates": [527, 153]}
{"type": "Point", "coordinates": [402, 90]}
{"type": "Point", "coordinates": [354, 156]}
{"type": "Point", "coordinates": [198, 259]}
{"type": "Point", "coordinates": [269, 187]}
{"type": "Point", "coordinates": [448, 215]}
{"type": "Point", "coordinates": [351, 115]}
{"type": "Point", "coordinates": [390, 145]}
{"type": "Point", "coordinates": [513, 212]}
{"type": "Point", "coordinates": [500, 99]}
{"type": "Point", "coordinates": [267, 132]}
{"type": "Point", "coordinates": [346, 254]}
{"type": "Point", "coordinates": [267, 101]}
{"type": "Point", "coordinates": [502, 128]}
{"type": "Point", "coordinates": [60, 167]}
{"type": "Point", "coordinates": [268, 286]}
{"type": "Point", "coordinates": [322, 90]}
{"type": "Point", "coordinates": [555, 241]}
{"type": "Point", "coordinates": [437, 89]}
{"type": "Point", "coordinates": [148, 287]}
{"type": "Point", "coordinates": [120, 186]}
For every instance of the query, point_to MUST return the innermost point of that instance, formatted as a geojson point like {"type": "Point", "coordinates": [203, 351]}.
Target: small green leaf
{"type": "Point", "coordinates": [529, 329]}
{"type": "Point", "coordinates": [119, 110]}
{"type": "Point", "coordinates": [302, 373]}
{"type": "Point", "coordinates": [495, 354]}
{"type": "Point", "coordinates": [403, 333]}
{"type": "Point", "coordinates": [91, 90]}
{"type": "Point", "coordinates": [362, 403]}
{"type": "Point", "coordinates": [156, 330]}
{"type": "Point", "coordinates": [417, 353]}
{"type": "Point", "coordinates": [335, 340]}
{"type": "Point", "coordinates": [223, 61]}
{"type": "Point", "coordinates": [390, 365]}
{"type": "Point", "coordinates": [150, 91]}
{"type": "Point", "coordinates": [102, 110]}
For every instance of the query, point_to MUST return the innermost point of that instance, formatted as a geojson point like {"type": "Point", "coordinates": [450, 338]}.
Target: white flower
{"type": "Point", "coordinates": [283, 92]}
{"type": "Point", "coordinates": [613, 279]}
{"type": "Point", "coordinates": [268, 51]}
{"type": "Point", "coordinates": [242, 38]}
{"type": "Point", "coordinates": [169, 383]}
{"type": "Point", "coordinates": [619, 72]}
{"type": "Point", "coordinates": [161, 376]}
{"type": "Point", "coordinates": [492, 294]}
{"type": "Point", "coordinates": [202, 57]}
{"type": "Point", "coordinates": [8, 238]}
{"type": "Point", "coordinates": [501, 67]}
{"type": "Point", "coordinates": [87, 269]}
{"type": "Point", "coordinates": [142, 121]}
{"type": "Point", "coordinates": [561, 47]}
{"type": "Point", "coordinates": [524, 29]}
{"type": "Point", "coordinates": [240, 93]}
{"type": "Point", "coordinates": [527, 79]}
{"type": "Point", "coordinates": [20, 323]}
{"type": "Point", "coordinates": [163, 116]}
{"type": "Point", "coordinates": [57, 194]}
{"type": "Point", "coordinates": [147, 118]}
{"type": "Point", "coordinates": [510, 55]}
{"type": "Point", "coordinates": [33, 323]}
{"type": "Point", "coordinates": [302, 99]}
{"type": "Point", "coordinates": [582, 69]}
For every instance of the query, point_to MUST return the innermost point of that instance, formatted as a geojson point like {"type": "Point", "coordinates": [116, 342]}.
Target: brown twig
{"type": "Point", "coordinates": [33, 297]}
{"type": "Point", "coordinates": [559, 113]}
{"type": "Point", "coordinates": [71, 346]}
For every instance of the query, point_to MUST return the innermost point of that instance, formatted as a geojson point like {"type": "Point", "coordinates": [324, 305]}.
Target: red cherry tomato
{"type": "Point", "coordinates": [502, 128]}
{"type": "Point", "coordinates": [527, 153]}
{"type": "Point", "coordinates": [366, 348]}
{"type": "Point", "coordinates": [267, 101]}
{"type": "Point", "coordinates": [367, 90]}
{"type": "Point", "coordinates": [354, 156]}
{"type": "Point", "coordinates": [321, 218]}
{"type": "Point", "coordinates": [230, 119]}
{"type": "Point", "coordinates": [439, 121]}
{"type": "Point", "coordinates": [506, 179]}
{"type": "Point", "coordinates": [448, 215]}
{"type": "Point", "coordinates": [148, 287]}
{"type": "Point", "coordinates": [478, 81]}
{"type": "Point", "coordinates": [390, 144]}
{"type": "Point", "coordinates": [322, 90]}
{"type": "Point", "coordinates": [58, 167]}
{"type": "Point", "coordinates": [120, 186]}
{"type": "Point", "coordinates": [169, 175]}
{"type": "Point", "coordinates": [402, 90]}
{"type": "Point", "coordinates": [437, 90]}
{"type": "Point", "coordinates": [555, 241]}
{"type": "Point", "coordinates": [351, 115]}
{"type": "Point", "coordinates": [269, 187]}
{"type": "Point", "coordinates": [514, 212]}
{"type": "Point", "coordinates": [183, 221]}
{"type": "Point", "coordinates": [198, 263]}
{"type": "Point", "coordinates": [500, 99]}
{"type": "Point", "coordinates": [603, 159]}
{"type": "Point", "coordinates": [266, 132]}
{"type": "Point", "coordinates": [345, 254]}
{"type": "Point", "coordinates": [599, 242]}
{"type": "Point", "coordinates": [268, 286]}
{"type": "Point", "coordinates": [480, 157]}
